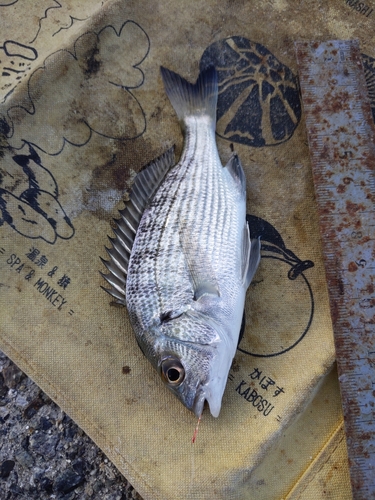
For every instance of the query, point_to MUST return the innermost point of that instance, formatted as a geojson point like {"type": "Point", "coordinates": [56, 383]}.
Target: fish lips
{"type": "Point", "coordinates": [201, 398]}
{"type": "Point", "coordinates": [203, 395]}
{"type": "Point", "coordinates": [199, 401]}
{"type": "Point", "coordinates": [193, 399]}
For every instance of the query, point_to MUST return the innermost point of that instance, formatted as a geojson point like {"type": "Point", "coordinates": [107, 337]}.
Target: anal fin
{"type": "Point", "coordinates": [254, 260]}
{"type": "Point", "coordinates": [250, 256]}
{"type": "Point", "coordinates": [242, 329]}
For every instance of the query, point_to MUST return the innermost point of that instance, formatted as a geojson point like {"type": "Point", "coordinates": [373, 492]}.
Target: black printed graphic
{"type": "Point", "coordinates": [259, 389]}
{"type": "Point", "coordinates": [288, 299]}
{"type": "Point", "coordinates": [29, 198]}
{"type": "Point", "coordinates": [72, 20]}
{"type": "Point", "coordinates": [15, 65]}
{"type": "Point", "coordinates": [89, 90]}
{"type": "Point", "coordinates": [258, 103]}
{"type": "Point", "coordinates": [360, 7]}
{"type": "Point", "coordinates": [63, 18]}
{"type": "Point", "coordinates": [56, 6]}
{"type": "Point", "coordinates": [369, 68]}
{"type": "Point", "coordinates": [45, 279]}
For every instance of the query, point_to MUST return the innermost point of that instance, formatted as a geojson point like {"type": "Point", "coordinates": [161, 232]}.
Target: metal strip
{"type": "Point", "coordinates": [341, 135]}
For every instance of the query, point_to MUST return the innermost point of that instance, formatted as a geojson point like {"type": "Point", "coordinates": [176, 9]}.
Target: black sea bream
{"type": "Point", "coordinates": [182, 257]}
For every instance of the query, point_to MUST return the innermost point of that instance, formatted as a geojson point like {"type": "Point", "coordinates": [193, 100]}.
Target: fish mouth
{"type": "Point", "coordinates": [212, 393]}
{"type": "Point", "coordinates": [199, 401]}
{"type": "Point", "coordinates": [202, 399]}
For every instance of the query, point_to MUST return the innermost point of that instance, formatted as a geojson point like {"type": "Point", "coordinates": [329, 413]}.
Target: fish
{"type": "Point", "coordinates": [182, 257]}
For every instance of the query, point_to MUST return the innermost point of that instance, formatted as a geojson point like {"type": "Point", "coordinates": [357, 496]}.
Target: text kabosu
{"type": "Point", "coordinates": [253, 397]}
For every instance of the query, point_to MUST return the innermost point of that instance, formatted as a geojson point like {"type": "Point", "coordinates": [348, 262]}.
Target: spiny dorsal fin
{"type": "Point", "coordinates": [143, 190]}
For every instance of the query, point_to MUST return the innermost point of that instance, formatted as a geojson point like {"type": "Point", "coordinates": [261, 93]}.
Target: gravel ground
{"type": "Point", "coordinates": [43, 453]}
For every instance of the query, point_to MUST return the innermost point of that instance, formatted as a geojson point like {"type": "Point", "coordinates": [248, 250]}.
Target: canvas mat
{"type": "Point", "coordinates": [82, 110]}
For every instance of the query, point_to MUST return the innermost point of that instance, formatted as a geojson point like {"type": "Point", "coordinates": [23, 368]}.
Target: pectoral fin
{"type": "Point", "coordinates": [205, 287]}
{"type": "Point", "coordinates": [201, 272]}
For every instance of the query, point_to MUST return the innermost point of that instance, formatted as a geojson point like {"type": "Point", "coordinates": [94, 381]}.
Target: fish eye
{"type": "Point", "coordinates": [172, 371]}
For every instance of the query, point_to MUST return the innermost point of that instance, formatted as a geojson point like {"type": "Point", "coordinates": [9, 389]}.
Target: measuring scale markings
{"type": "Point", "coordinates": [341, 141]}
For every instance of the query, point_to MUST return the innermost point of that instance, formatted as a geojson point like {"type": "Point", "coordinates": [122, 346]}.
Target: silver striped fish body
{"type": "Point", "coordinates": [190, 263]}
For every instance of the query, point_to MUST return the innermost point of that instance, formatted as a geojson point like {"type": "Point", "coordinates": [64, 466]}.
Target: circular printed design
{"type": "Point", "coordinates": [282, 290]}
{"type": "Point", "coordinates": [369, 68]}
{"type": "Point", "coordinates": [258, 103]}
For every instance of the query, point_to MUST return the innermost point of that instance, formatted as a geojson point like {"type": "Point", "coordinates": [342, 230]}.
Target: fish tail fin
{"type": "Point", "coordinates": [192, 99]}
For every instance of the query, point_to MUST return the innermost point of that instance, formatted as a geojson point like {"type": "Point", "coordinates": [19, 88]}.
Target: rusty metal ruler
{"type": "Point", "coordinates": [340, 133]}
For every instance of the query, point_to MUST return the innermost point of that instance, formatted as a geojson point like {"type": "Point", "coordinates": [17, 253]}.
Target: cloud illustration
{"type": "Point", "coordinates": [84, 91]}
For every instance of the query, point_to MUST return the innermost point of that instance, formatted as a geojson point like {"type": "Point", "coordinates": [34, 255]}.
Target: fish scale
{"type": "Point", "coordinates": [197, 181]}
{"type": "Point", "coordinates": [188, 266]}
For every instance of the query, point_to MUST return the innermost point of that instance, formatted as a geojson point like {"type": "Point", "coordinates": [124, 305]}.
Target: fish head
{"type": "Point", "coordinates": [185, 371]}
{"type": "Point", "coordinates": [194, 364]}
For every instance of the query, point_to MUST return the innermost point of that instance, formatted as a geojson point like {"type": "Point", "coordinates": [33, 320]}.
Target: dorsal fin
{"type": "Point", "coordinates": [235, 168]}
{"type": "Point", "coordinates": [143, 190]}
